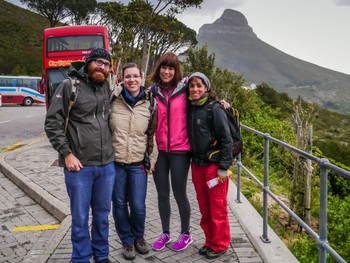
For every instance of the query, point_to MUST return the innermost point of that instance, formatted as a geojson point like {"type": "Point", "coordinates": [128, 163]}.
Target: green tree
{"type": "Point", "coordinates": [226, 84]}
{"type": "Point", "coordinates": [276, 100]}
{"type": "Point", "coordinates": [172, 7]}
{"type": "Point", "coordinates": [54, 11]}
{"type": "Point", "coordinates": [79, 10]}
{"type": "Point", "coordinates": [169, 34]}
{"type": "Point", "coordinates": [124, 23]}
{"type": "Point", "coordinates": [58, 10]}
{"type": "Point", "coordinates": [198, 59]}
{"type": "Point", "coordinates": [19, 70]}
{"type": "Point", "coordinates": [166, 8]}
{"type": "Point", "coordinates": [142, 23]}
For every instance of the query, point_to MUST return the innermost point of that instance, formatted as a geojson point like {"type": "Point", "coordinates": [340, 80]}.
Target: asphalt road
{"type": "Point", "coordinates": [20, 125]}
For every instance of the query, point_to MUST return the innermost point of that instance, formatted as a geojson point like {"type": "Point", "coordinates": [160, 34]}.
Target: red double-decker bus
{"type": "Point", "coordinates": [62, 46]}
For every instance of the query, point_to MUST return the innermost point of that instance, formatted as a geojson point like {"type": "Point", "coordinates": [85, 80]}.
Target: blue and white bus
{"type": "Point", "coordinates": [22, 90]}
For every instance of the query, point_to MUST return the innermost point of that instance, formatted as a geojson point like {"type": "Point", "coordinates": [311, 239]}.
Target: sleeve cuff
{"type": "Point", "coordinates": [65, 152]}
{"type": "Point", "coordinates": [222, 172]}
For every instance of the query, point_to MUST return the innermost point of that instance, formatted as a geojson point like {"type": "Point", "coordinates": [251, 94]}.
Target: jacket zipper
{"type": "Point", "coordinates": [168, 116]}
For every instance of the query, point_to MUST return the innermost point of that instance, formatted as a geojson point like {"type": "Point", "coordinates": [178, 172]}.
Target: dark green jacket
{"type": "Point", "coordinates": [88, 135]}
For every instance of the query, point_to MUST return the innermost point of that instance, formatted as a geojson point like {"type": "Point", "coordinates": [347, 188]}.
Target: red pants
{"type": "Point", "coordinates": [213, 207]}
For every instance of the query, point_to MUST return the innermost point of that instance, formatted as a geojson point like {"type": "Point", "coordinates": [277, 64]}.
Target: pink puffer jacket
{"type": "Point", "coordinates": [171, 134]}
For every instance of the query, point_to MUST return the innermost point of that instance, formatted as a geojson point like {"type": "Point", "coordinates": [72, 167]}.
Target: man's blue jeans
{"type": "Point", "coordinates": [130, 188]}
{"type": "Point", "coordinates": [91, 186]}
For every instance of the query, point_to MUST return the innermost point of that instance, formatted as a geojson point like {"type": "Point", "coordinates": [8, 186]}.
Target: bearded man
{"type": "Point", "coordinates": [84, 145]}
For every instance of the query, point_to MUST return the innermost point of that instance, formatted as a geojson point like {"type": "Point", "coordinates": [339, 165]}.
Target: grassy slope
{"type": "Point", "coordinates": [20, 40]}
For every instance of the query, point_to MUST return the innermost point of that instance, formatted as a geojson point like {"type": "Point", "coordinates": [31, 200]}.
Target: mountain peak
{"type": "Point", "coordinates": [230, 22]}
{"type": "Point", "coordinates": [237, 48]}
{"type": "Point", "coordinates": [232, 17]}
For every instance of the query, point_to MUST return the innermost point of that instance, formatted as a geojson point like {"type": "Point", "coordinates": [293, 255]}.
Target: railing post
{"type": "Point", "coordinates": [323, 210]}
{"type": "Point", "coordinates": [265, 237]}
{"type": "Point", "coordinates": [238, 199]}
{"type": "Point", "coordinates": [321, 237]}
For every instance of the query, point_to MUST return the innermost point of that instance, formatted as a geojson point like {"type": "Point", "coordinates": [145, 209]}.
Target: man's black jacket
{"type": "Point", "coordinates": [88, 136]}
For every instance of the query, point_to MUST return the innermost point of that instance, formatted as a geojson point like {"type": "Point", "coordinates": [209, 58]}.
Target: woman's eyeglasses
{"type": "Point", "coordinates": [132, 76]}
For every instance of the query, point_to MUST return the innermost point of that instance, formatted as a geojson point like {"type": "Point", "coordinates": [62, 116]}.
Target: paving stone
{"type": "Point", "coordinates": [51, 179]}
{"type": "Point", "coordinates": [15, 246]}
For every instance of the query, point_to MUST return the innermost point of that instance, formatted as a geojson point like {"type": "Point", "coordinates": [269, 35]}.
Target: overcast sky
{"type": "Point", "coordinates": [316, 31]}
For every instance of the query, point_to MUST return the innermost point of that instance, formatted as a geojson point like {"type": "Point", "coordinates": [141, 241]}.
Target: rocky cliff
{"type": "Point", "coordinates": [238, 48]}
{"type": "Point", "coordinates": [231, 22]}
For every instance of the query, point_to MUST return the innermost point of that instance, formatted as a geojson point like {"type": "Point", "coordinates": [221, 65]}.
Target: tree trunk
{"type": "Point", "coordinates": [145, 54]}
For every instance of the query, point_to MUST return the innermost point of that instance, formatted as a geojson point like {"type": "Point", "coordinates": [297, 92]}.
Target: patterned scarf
{"type": "Point", "coordinates": [200, 101]}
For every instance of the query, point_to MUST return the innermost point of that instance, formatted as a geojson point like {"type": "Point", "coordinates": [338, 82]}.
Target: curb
{"type": "Point", "coordinates": [42, 255]}
{"type": "Point", "coordinates": [54, 206]}
{"type": "Point", "coordinates": [252, 223]}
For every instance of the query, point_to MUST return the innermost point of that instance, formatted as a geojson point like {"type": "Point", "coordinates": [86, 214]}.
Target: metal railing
{"type": "Point", "coordinates": [324, 165]}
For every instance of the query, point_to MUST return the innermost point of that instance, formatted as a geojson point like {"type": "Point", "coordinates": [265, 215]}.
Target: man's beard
{"type": "Point", "coordinates": [98, 76]}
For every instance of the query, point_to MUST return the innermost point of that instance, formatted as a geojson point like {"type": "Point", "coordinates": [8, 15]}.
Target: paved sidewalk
{"type": "Point", "coordinates": [18, 209]}
{"type": "Point", "coordinates": [30, 168]}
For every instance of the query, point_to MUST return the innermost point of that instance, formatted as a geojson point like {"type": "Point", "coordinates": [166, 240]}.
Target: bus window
{"type": "Point", "coordinates": [69, 43]}
{"type": "Point", "coordinates": [2, 82]}
{"type": "Point", "coordinates": [55, 77]}
{"type": "Point", "coordinates": [34, 84]}
{"type": "Point", "coordinates": [31, 83]}
{"type": "Point", "coordinates": [14, 82]}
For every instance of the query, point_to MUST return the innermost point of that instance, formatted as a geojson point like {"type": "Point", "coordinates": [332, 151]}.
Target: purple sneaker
{"type": "Point", "coordinates": [161, 241]}
{"type": "Point", "coordinates": [182, 242]}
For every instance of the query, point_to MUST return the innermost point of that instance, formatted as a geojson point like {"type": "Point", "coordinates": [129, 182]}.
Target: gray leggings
{"type": "Point", "coordinates": [179, 165]}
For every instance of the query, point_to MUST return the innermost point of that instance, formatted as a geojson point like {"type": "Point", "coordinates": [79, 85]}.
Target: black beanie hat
{"type": "Point", "coordinates": [95, 54]}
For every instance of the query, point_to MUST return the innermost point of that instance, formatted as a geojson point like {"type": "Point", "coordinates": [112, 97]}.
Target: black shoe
{"type": "Point", "coordinates": [106, 260]}
{"type": "Point", "coordinates": [203, 250]}
{"type": "Point", "coordinates": [211, 254]}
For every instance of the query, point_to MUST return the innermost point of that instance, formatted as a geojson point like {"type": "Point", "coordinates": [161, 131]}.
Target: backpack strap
{"type": "Point", "coordinates": [233, 121]}
{"type": "Point", "coordinates": [210, 116]}
{"type": "Point", "coordinates": [152, 99]}
{"type": "Point", "coordinates": [153, 90]}
{"type": "Point", "coordinates": [232, 115]}
{"type": "Point", "coordinates": [72, 98]}
{"type": "Point", "coordinates": [210, 119]}
{"type": "Point", "coordinates": [151, 128]}
{"type": "Point", "coordinates": [152, 124]}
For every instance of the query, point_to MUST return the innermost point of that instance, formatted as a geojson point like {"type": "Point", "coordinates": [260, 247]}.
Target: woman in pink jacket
{"type": "Point", "coordinates": [173, 147]}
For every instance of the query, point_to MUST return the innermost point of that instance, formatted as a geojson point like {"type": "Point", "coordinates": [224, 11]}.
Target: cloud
{"type": "Point", "coordinates": [210, 11]}
{"type": "Point", "coordinates": [210, 7]}
{"type": "Point", "coordinates": [342, 2]}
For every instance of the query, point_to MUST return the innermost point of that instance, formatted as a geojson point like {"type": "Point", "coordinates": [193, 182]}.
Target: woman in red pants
{"type": "Point", "coordinates": [209, 161]}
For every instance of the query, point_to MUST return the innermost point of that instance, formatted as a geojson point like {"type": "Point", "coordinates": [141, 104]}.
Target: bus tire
{"type": "Point", "coordinates": [27, 101]}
